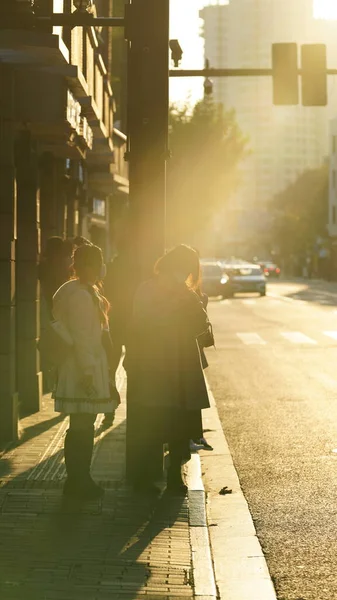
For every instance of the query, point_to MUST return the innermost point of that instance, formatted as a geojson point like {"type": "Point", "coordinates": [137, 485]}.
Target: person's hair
{"type": "Point", "coordinates": [90, 256]}
{"type": "Point", "coordinates": [68, 247]}
{"type": "Point", "coordinates": [182, 259]}
{"type": "Point", "coordinates": [79, 240]}
{"type": "Point", "coordinates": [87, 256]}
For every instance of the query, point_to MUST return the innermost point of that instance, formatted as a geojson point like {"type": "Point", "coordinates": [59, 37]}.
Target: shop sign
{"type": "Point", "coordinates": [73, 112]}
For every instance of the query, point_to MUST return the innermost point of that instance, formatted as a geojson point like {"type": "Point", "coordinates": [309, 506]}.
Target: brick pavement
{"type": "Point", "coordinates": [121, 547]}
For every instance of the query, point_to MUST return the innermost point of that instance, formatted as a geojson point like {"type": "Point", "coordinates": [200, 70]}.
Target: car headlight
{"type": "Point", "coordinates": [224, 279]}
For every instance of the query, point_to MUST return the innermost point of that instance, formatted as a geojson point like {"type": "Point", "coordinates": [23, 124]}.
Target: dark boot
{"type": "Point", "coordinates": [78, 449]}
{"type": "Point", "coordinates": [175, 482]}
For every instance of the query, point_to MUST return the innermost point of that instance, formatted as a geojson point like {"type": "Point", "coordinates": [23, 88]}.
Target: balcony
{"type": "Point", "coordinates": [69, 71]}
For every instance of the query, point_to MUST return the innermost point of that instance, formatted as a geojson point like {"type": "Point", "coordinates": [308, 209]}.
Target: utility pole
{"type": "Point", "coordinates": [147, 32]}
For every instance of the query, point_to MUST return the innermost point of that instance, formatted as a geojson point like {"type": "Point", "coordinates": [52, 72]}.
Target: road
{"type": "Point", "coordinates": [274, 378]}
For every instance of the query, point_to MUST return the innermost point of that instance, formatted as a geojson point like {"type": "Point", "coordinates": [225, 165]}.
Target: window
{"type": "Point", "coordinates": [98, 207]}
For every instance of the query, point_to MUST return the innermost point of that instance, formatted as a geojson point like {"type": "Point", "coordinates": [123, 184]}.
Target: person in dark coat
{"type": "Point", "coordinates": [166, 386]}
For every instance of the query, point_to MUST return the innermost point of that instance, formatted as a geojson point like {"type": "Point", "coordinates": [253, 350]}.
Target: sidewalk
{"type": "Point", "coordinates": [125, 546]}
{"type": "Point", "coordinates": [122, 547]}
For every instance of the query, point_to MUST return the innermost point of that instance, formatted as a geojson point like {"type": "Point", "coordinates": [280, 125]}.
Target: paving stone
{"type": "Point", "coordinates": [124, 547]}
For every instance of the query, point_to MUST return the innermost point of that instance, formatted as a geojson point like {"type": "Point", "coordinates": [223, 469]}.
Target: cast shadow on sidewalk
{"type": "Point", "coordinates": [90, 549]}
{"type": "Point", "coordinates": [32, 431]}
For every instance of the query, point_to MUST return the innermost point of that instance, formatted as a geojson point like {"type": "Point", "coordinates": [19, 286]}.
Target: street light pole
{"type": "Point", "coordinates": [147, 32]}
{"type": "Point", "coordinates": [147, 124]}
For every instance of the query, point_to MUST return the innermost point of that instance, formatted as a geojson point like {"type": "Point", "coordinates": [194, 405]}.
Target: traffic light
{"type": "Point", "coordinates": [285, 74]}
{"type": "Point", "coordinates": [314, 75]}
{"type": "Point", "coordinates": [176, 52]}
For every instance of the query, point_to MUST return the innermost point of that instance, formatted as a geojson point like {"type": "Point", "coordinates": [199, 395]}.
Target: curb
{"type": "Point", "coordinates": [240, 568]}
{"type": "Point", "coordinates": [202, 564]}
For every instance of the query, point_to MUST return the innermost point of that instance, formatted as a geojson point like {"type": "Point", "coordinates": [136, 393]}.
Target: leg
{"type": "Point", "coordinates": [175, 482]}
{"type": "Point", "coordinates": [78, 449]}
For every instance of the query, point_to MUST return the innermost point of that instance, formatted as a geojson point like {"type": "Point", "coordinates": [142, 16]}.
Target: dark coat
{"type": "Point", "coordinates": [163, 357]}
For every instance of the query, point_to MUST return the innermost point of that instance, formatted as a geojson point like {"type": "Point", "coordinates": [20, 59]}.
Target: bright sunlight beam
{"type": "Point", "coordinates": [325, 9]}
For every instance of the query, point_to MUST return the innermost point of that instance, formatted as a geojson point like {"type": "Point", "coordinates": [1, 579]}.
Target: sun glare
{"type": "Point", "coordinates": [325, 9]}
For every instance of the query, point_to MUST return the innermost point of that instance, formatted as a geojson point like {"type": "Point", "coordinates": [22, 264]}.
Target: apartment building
{"type": "Point", "coordinates": [62, 172]}
{"type": "Point", "coordinates": [284, 141]}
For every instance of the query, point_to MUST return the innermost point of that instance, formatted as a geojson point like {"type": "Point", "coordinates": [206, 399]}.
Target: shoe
{"type": "Point", "coordinates": [88, 491]}
{"type": "Point", "coordinates": [204, 443]}
{"type": "Point", "coordinates": [194, 446]}
{"type": "Point", "coordinates": [148, 489]}
{"type": "Point", "coordinates": [175, 488]}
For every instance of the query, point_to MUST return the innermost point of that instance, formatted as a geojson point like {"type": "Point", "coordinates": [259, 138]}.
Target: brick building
{"type": "Point", "coordinates": [62, 172]}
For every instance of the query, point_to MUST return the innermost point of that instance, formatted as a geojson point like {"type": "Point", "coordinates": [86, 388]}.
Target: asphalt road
{"type": "Point", "coordinates": [274, 377]}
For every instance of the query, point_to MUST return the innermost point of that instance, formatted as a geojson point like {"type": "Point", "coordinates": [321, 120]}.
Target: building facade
{"type": "Point", "coordinates": [62, 172]}
{"type": "Point", "coordinates": [284, 141]}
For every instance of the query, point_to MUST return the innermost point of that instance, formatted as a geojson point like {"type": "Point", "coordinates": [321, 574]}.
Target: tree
{"type": "Point", "coordinates": [207, 146]}
{"type": "Point", "coordinates": [300, 213]}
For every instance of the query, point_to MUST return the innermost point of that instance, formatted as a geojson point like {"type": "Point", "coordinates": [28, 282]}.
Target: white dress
{"type": "Point", "coordinates": [78, 309]}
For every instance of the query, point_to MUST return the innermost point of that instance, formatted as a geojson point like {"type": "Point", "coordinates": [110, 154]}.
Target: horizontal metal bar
{"type": "Point", "coordinates": [231, 72]}
{"type": "Point", "coordinates": [77, 19]}
{"type": "Point", "coordinates": [221, 73]}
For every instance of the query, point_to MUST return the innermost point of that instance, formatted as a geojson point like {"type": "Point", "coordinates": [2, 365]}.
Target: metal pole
{"type": "Point", "coordinates": [147, 124]}
{"type": "Point", "coordinates": [231, 72]}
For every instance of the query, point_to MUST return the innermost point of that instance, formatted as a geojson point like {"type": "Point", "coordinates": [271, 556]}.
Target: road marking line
{"type": "Point", "coordinates": [287, 299]}
{"type": "Point", "coordinates": [251, 339]}
{"type": "Point", "coordinates": [248, 301]}
{"type": "Point", "coordinates": [226, 302]}
{"type": "Point", "coordinates": [296, 337]}
{"type": "Point", "coordinates": [331, 334]}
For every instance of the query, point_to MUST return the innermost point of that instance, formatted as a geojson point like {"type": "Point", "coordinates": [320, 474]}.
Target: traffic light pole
{"type": "Point", "coordinates": [147, 33]}
{"type": "Point", "coordinates": [231, 72]}
{"type": "Point", "coordinates": [147, 125]}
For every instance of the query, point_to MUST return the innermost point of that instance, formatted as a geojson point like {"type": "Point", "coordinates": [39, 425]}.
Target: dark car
{"type": "Point", "coordinates": [214, 281]}
{"type": "Point", "coordinates": [270, 269]}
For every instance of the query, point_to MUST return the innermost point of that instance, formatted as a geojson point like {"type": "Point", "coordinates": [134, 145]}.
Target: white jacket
{"type": "Point", "coordinates": [75, 307]}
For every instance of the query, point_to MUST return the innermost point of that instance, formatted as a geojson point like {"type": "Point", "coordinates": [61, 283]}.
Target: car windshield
{"type": "Point", "coordinates": [211, 271]}
{"type": "Point", "coordinates": [247, 270]}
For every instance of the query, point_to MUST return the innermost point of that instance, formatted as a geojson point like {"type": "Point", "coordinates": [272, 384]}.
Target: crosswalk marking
{"type": "Point", "coordinates": [297, 337]}
{"type": "Point", "coordinates": [331, 334]}
{"type": "Point", "coordinates": [251, 339]}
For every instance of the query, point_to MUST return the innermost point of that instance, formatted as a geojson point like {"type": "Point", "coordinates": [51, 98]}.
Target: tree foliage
{"type": "Point", "coordinates": [300, 213]}
{"type": "Point", "coordinates": [207, 146]}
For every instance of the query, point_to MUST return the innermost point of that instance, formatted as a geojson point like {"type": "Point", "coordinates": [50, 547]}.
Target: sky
{"type": "Point", "coordinates": [185, 26]}
{"type": "Point", "coordinates": [325, 9]}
